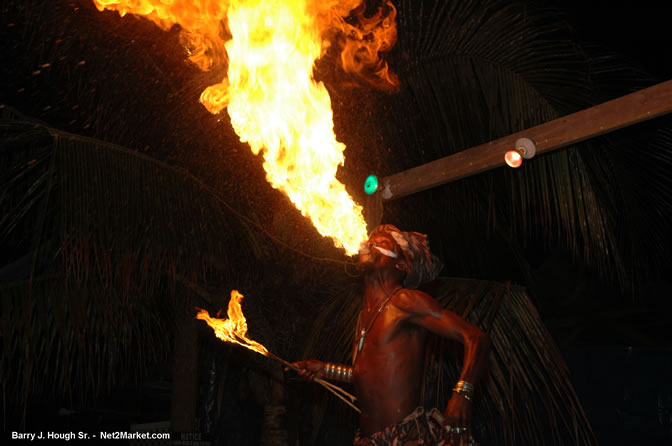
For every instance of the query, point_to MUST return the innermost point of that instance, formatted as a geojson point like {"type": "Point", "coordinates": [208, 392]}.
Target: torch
{"type": "Point", "coordinates": [234, 330]}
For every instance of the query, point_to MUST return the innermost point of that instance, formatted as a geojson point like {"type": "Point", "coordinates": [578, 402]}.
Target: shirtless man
{"type": "Point", "coordinates": [389, 349]}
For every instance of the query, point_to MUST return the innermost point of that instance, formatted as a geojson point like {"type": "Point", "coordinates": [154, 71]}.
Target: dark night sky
{"type": "Point", "coordinates": [638, 31]}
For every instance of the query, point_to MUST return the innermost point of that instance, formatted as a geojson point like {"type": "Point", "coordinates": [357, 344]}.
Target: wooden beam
{"type": "Point", "coordinates": [604, 118]}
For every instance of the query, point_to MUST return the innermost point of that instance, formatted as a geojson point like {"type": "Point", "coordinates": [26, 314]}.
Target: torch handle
{"type": "Point", "coordinates": [286, 363]}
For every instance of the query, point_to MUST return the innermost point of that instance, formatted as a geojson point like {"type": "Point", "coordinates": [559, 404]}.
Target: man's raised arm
{"type": "Point", "coordinates": [426, 312]}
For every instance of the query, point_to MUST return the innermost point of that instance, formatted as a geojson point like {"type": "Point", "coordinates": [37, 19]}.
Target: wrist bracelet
{"type": "Point", "coordinates": [464, 388]}
{"type": "Point", "coordinates": [337, 372]}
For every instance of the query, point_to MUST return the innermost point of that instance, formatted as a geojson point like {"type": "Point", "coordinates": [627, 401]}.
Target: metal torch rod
{"type": "Point", "coordinates": [604, 118]}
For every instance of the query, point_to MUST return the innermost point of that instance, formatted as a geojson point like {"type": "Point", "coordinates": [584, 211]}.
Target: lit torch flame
{"type": "Point", "coordinates": [233, 329]}
{"type": "Point", "coordinates": [275, 104]}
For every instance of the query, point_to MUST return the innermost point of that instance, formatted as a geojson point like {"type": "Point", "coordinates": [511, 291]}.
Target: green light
{"type": "Point", "coordinates": [371, 184]}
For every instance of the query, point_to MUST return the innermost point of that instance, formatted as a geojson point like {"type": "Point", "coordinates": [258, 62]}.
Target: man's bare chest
{"type": "Point", "coordinates": [378, 328]}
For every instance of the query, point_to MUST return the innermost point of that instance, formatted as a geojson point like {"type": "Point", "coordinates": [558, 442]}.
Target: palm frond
{"type": "Point", "coordinates": [107, 231]}
{"type": "Point", "coordinates": [110, 198]}
{"type": "Point", "coordinates": [71, 342]}
{"type": "Point", "coordinates": [477, 70]}
{"type": "Point", "coordinates": [528, 393]}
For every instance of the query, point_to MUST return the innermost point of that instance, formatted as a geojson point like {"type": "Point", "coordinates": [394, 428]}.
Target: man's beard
{"type": "Point", "coordinates": [366, 265]}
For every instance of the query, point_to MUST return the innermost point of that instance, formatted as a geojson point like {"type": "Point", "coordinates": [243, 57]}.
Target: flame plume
{"type": "Point", "coordinates": [269, 48]}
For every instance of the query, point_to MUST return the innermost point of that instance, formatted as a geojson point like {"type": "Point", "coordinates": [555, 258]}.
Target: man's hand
{"type": "Point", "coordinates": [458, 412]}
{"type": "Point", "coordinates": [458, 421]}
{"type": "Point", "coordinates": [310, 369]}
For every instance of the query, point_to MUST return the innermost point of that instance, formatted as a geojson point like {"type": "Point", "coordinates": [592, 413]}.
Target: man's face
{"type": "Point", "coordinates": [379, 252]}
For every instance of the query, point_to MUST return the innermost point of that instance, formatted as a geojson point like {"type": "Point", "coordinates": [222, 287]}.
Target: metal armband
{"type": "Point", "coordinates": [464, 388]}
{"type": "Point", "coordinates": [337, 372]}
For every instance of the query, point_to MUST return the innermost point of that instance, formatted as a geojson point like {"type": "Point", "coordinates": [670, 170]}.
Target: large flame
{"type": "Point", "coordinates": [233, 329]}
{"type": "Point", "coordinates": [269, 48]}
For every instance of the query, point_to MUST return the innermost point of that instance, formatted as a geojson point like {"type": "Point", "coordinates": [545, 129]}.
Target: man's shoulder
{"type": "Point", "coordinates": [412, 301]}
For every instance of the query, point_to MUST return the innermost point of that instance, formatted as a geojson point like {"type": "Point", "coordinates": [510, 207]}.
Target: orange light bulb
{"type": "Point", "coordinates": [513, 158]}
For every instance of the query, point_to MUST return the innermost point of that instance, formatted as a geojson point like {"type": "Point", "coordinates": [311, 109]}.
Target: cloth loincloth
{"type": "Point", "coordinates": [418, 428]}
